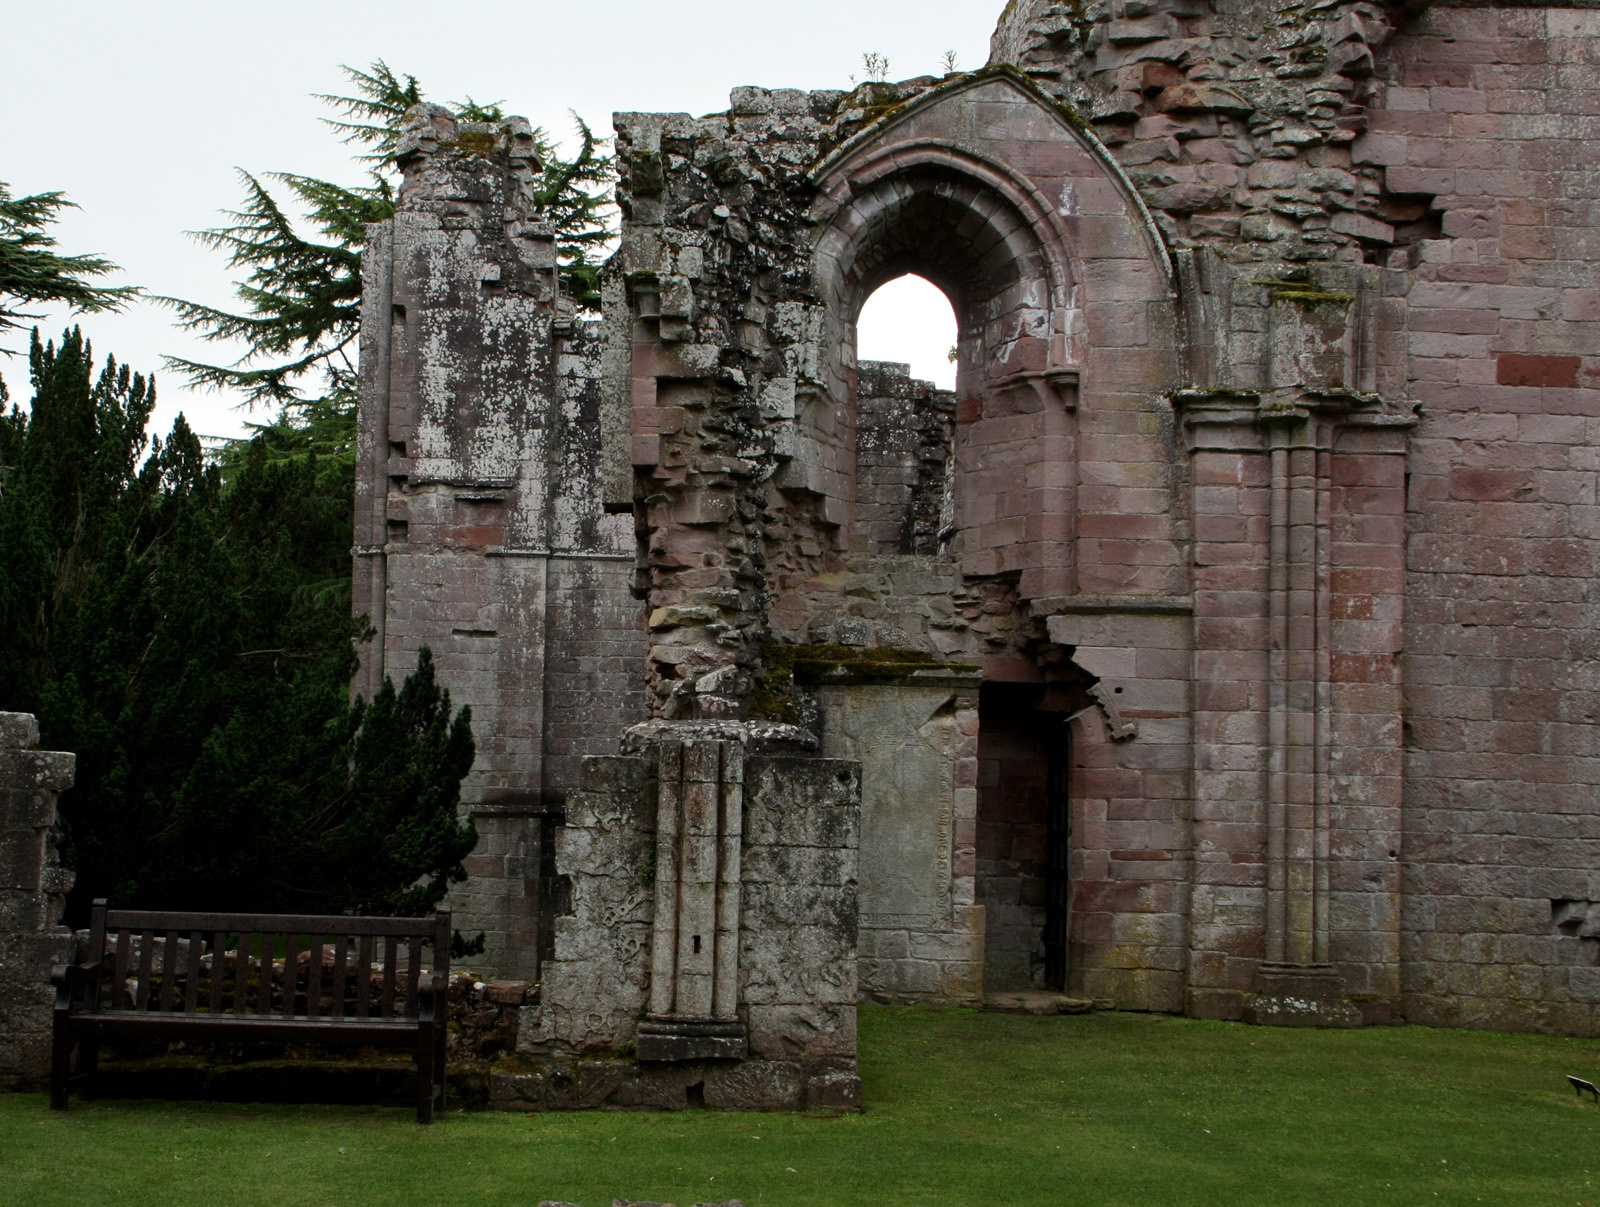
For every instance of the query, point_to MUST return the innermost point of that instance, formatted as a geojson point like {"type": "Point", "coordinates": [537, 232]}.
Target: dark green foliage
{"type": "Point", "coordinates": [186, 631]}
{"type": "Point", "coordinates": [302, 296]}
{"type": "Point", "coordinates": [32, 271]}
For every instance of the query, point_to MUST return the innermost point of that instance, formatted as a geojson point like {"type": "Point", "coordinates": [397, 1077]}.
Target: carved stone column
{"type": "Point", "coordinates": [1298, 802]}
{"type": "Point", "coordinates": [1298, 587]}
{"type": "Point", "coordinates": [694, 965]}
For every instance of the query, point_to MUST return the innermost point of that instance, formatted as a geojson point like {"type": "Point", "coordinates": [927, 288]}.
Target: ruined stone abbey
{"type": "Point", "coordinates": [1227, 643]}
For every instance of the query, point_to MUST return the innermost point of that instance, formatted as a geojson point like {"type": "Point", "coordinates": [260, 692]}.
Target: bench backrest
{"type": "Point", "coordinates": [331, 966]}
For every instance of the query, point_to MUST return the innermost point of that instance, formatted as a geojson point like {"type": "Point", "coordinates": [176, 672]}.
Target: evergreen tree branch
{"type": "Point", "coordinates": [31, 272]}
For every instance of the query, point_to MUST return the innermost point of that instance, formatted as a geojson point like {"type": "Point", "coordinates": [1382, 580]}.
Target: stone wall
{"type": "Point", "coordinates": [1488, 112]}
{"type": "Point", "coordinates": [33, 891]}
{"type": "Point", "coordinates": [914, 738]}
{"type": "Point", "coordinates": [1269, 467]}
{"type": "Point", "coordinates": [905, 472]}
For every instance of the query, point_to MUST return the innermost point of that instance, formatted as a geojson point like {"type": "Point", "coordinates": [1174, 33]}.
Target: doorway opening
{"type": "Point", "coordinates": [1024, 834]}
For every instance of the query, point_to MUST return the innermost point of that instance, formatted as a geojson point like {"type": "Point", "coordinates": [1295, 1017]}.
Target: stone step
{"type": "Point", "coordinates": [1039, 1001]}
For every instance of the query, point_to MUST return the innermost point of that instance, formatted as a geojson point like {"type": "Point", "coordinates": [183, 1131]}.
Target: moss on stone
{"type": "Point", "coordinates": [1312, 297]}
{"type": "Point", "coordinates": [1298, 287]}
{"type": "Point", "coordinates": [473, 142]}
{"type": "Point", "coordinates": [784, 665]}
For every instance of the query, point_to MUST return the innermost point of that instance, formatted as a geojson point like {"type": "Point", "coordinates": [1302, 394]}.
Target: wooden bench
{"type": "Point", "coordinates": [341, 980]}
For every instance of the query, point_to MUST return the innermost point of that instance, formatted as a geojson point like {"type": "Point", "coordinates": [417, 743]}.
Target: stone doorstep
{"type": "Point", "coordinates": [1039, 1001]}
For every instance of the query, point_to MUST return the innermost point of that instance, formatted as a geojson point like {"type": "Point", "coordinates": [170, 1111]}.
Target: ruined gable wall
{"type": "Point", "coordinates": [744, 431]}
{"type": "Point", "coordinates": [1490, 112]}
{"type": "Point", "coordinates": [481, 530]}
{"type": "Point", "coordinates": [1070, 479]}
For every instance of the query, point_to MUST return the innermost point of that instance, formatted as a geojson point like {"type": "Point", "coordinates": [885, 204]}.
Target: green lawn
{"type": "Point", "coordinates": [961, 1108]}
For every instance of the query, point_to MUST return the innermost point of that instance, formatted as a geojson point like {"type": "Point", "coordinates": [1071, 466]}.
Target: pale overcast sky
{"type": "Point", "coordinates": [140, 112]}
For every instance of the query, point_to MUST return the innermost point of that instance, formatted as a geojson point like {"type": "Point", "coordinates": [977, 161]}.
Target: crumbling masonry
{"type": "Point", "coordinates": [1227, 643]}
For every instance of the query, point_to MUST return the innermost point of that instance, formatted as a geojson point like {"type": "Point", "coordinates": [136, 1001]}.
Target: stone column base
{"type": "Point", "coordinates": [748, 1085]}
{"type": "Point", "coordinates": [676, 1040]}
{"type": "Point", "coordinates": [1300, 995]}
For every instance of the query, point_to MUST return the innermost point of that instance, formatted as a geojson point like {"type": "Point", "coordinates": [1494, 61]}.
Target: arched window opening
{"type": "Point", "coordinates": [910, 321]}
{"type": "Point", "coordinates": [905, 420]}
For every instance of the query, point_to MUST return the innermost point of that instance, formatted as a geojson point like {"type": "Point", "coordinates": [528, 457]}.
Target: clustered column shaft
{"type": "Point", "coordinates": [1299, 723]}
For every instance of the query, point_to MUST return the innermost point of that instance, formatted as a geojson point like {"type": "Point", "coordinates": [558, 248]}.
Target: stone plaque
{"type": "Point", "coordinates": [904, 737]}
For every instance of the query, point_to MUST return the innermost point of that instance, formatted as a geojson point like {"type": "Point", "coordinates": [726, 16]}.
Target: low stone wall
{"type": "Point", "coordinates": [32, 889]}
{"type": "Point", "coordinates": [793, 1005]}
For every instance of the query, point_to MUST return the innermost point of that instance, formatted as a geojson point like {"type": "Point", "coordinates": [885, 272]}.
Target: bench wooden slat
{"type": "Point", "coordinates": [269, 957]}
{"type": "Point", "coordinates": [97, 949]}
{"type": "Point", "coordinates": [169, 970]}
{"type": "Point", "coordinates": [151, 1025]}
{"type": "Point", "coordinates": [364, 978]}
{"type": "Point", "coordinates": [413, 974]}
{"type": "Point", "coordinates": [241, 972]}
{"type": "Point", "coordinates": [391, 956]}
{"type": "Point", "coordinates": [147, 958]}
{"type": "Point", "coordinates": [125, 919]}
{"type": "Point", "coordinates": [339, 952]}
{"type": "Point", "coordinates": [191, 988]}
{"type": "Point", "coordinates": [314, 977]}
{"type": "Point", "coordinates": [291, 973]}
{"type": "Point", "coordinates": [119, 974]}
{"type": "Point", "coordinates": [219, 961]}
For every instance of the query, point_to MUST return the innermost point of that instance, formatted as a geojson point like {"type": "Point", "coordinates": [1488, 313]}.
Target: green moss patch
{"type": "Point", "coordinates": [785, 665]}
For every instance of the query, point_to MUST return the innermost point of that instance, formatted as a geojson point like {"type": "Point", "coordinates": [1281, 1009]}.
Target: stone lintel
{"type": "Point", "coordinates": [1232, 420]}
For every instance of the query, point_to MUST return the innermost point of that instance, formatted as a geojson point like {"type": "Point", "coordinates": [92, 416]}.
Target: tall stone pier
{"type": "Point", "coordinates": [33, 888]}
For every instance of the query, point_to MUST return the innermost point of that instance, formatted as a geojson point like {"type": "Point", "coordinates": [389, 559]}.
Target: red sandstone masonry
{"type": "Point", "coordinates": [1500, 626]}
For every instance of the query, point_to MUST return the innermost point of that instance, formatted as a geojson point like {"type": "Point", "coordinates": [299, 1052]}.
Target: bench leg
{"type": "Point", "coordinates": [88, 1067]}
{"type": "Point", "coordinates": [425, 1072]}
{"type": "Point", "coordinates": [60, 1059]}
{"type": "Point", "coordinates": [438, 1060]}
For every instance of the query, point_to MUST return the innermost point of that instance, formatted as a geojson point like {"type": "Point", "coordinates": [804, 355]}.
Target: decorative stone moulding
{"type": "Point", "coordinates": [694, 954]}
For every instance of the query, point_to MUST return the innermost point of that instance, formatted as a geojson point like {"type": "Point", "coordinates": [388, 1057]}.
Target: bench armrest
{"type": "Point", "coordinates": [431, 996]}
{"type": "Point", "coordinates": [77, 974]}
{"type": "Point", "coordinates": [68, 977]}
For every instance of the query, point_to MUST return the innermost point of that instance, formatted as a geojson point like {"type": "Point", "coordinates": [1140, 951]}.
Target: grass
{"type": "Point", "coordinates": [961, 1108]}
